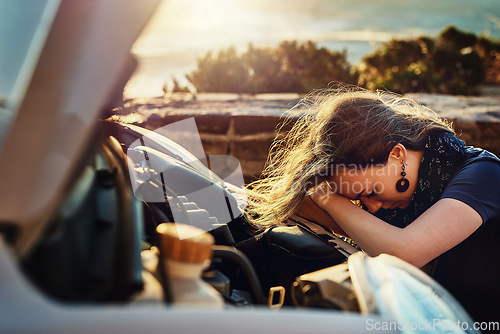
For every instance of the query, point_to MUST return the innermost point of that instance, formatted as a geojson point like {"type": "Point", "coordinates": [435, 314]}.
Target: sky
{"type": "Point", "coordinates": [198, 24]}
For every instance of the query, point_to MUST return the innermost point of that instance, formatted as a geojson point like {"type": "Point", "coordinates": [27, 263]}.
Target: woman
{"type": "Point", "coordinates": [391, 175]}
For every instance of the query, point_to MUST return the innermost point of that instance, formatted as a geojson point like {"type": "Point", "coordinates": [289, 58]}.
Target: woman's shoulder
{"type": "Point", "coordinates": [480, 169]}
{"type": "Point", "coordinates": [474, 154]}
{"type": "Point", "coordinates": [477, 183]}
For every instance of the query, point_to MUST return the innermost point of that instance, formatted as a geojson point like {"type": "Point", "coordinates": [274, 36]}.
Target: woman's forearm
{"type": "Point", "coordinates": [373, 235]}
{"type": "Point", "coordinates": [443, 226]}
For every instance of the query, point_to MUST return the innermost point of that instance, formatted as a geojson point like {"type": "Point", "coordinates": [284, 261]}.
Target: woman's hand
{"type": "Point", "coordinates": [324, 197]}
{"type": "Point", "coordinates": [309, 208]}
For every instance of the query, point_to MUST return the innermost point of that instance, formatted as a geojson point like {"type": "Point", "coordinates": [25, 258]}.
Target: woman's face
{"type": "Point", "coordinates": [375, 186]}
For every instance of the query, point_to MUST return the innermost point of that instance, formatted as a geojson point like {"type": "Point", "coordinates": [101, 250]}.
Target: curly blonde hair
{"type": "Point", "coordinates": [349, 127]}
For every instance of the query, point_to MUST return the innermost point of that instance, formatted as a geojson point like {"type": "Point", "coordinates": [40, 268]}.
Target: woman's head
{"type": "Point", "coordinates": [362, 127]}
{"type": "Point", "coordinates": [350, 130]}
{"type": "Point", "coordinates": [376, 186]}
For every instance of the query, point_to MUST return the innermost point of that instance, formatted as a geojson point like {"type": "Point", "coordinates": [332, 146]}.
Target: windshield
{"type": "Point", "coordinates": [23, 28]}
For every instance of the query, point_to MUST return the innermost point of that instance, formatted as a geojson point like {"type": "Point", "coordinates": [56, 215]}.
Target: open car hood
{"type": "Point", "coordinates": [74, 64]}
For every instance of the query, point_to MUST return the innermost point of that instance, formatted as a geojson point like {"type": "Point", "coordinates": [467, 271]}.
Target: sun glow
{"type": "Point", "coordinates": [192, 26]}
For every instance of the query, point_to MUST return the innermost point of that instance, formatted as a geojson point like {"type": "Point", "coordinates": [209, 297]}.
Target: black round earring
{"type": "Point", "coordinates": [403, 184]}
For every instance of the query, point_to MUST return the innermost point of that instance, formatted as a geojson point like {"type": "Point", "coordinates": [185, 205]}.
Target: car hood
{"type": "Point", "coordinates": [74, 63]}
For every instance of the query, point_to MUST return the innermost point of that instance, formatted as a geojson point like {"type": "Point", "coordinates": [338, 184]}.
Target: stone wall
{"type": "Point", "coordinates": [244, 127]}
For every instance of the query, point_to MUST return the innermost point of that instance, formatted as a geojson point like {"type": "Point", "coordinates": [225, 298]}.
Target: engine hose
{"type": "Point", "coordinates": [234, 255]}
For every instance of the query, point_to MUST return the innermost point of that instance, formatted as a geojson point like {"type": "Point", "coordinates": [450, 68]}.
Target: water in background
{"type": "Point", "coordinates": [185, 30]}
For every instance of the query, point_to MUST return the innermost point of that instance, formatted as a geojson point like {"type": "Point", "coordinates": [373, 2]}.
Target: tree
{"type": "Point", "coordinates": [449, 64]}
{"type": "Point", "coordinates": [455, 62]}
{"type": "Point", "coordinates": [291, 67]}
{"type": "Point", "coordinates": [225, 72]}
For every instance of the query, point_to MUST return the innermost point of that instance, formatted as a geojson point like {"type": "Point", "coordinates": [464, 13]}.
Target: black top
{"type": "Point", "coordinates": [471, 270]}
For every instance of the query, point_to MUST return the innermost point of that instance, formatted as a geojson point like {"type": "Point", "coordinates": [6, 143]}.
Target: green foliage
{"type": "Point", "coordinates": [224, 72]}
{"type": "Point", "coordinates": [291, 67]}
{"type": "Point", "coordinates": [489, 52]}
{"type": "Point", "coordinates": [449, 64]}
{"type": "Point", "coordinates": [455, 62]}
